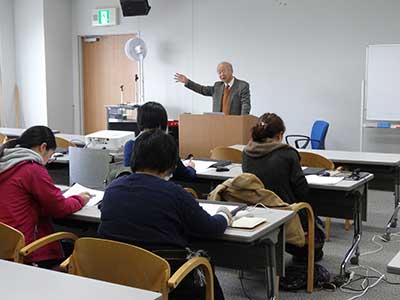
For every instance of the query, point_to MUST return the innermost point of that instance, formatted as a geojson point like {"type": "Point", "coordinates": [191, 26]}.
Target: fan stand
{"type": "Point", "coordinates": [141, 80]}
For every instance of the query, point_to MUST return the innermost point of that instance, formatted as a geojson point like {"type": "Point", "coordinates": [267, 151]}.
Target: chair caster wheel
{"type": "Point", "coordinates": [386, 236]}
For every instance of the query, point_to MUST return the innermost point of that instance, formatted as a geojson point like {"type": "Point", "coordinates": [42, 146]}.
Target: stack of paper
{"type": "Point", "coordinates": [200, 165]}
{"type": "Point", "coordinates": [76, 189]}
{"type": "Point", "coordinates": [323, 180]}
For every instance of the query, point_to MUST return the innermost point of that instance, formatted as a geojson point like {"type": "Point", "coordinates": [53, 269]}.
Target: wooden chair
{"type": "Point", "coordinates": [310, 241]}
{"type": "Point", "coordinates": [129, 265]}
{"type": "Point", "coordinates": [3, 138]}
{"type": "Point", "coordinates": [192, 192]}
{"type": "Point", "coordinates": [314, 160]}
{"type": "Point", "coordinates": [12, 243]}
{"type": "Point", "coordinates": [226, 153]}
{"type": "Point", "coordinates": [63, 143]}
{"type": "Point", "coordinates": [296, 207]}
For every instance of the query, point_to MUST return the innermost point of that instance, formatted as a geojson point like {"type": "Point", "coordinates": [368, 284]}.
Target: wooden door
{"type": "Point", "coordinates": [105, 69]}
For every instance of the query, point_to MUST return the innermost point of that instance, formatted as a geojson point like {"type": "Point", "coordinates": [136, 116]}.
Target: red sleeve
{"type": "Point", "coordinates": [49, 197]}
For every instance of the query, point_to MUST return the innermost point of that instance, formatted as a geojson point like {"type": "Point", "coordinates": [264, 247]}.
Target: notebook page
{"type": "Point", "coordinates": [323, 180]}
{"type": "Point", "coordinates": [247, 222]}
{"type": "Point", "coordinates": [213, 208]}
{"type": "Point", "coordinates": [76, 189]}
{"type": "Point", "coordinates": [200, 165]}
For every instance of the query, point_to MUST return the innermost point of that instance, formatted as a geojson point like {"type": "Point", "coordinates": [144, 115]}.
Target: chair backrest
{"type": "Point", "coordinates": [120, 263]}
{"type": "Point", "coordinates": [11, 241]}
{"type": "Point", "coordinates": [318, 134]}
{"type": "Point", "coordinates": [314, 160]}
{"type": "Point", "coordinates": [3, 138]}
{"type": "Point", "coordinates": [227, 153]}
{"type": "Point", "coordinates": [63, 143]}
{"type": "Point", "coordinates": [192, 192]}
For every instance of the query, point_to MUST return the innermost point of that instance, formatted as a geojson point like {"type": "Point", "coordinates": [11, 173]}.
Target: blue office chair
{"type": "Point", "coordinates": [317, 138]}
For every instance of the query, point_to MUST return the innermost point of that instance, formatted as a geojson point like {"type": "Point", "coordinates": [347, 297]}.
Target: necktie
{"type": "Point", "coordinates": [225, 100]}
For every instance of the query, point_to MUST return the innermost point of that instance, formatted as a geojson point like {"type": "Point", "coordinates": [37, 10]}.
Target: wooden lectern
{"type": "Point", "coordinates": [199, 134]}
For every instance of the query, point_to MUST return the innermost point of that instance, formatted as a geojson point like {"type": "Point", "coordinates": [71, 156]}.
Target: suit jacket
{"type": "Point", "coordinates": [239, 97]}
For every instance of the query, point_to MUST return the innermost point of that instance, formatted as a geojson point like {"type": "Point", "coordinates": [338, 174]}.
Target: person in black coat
{"type": "Point", "coordinates": [152, 115]}
{"type": "Point", "coordinates": [147, 210]}
{"type": "Point", "coordinates": [277, 165]}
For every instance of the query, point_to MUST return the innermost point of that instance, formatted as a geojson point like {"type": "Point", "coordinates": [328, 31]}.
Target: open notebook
{"type": "Point", "coordinates": [243, 222]}
{"type": "Point", "coordinates": [76, 189]}
{"type": "Point", "coordinates": [322, 180]}
{"type": "Point", "coordinates": [248, 222]}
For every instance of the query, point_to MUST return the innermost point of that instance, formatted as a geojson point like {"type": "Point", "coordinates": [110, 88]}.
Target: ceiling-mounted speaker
{"type": "Point", "coordinates": [135, 7]}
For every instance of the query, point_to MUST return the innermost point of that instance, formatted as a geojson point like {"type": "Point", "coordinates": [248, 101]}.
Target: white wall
{"type": "Point", "coordinates": [7, 63]}
{"type": "Point", "coordinates": [58, 49]}
{"type": "Point", "coordinates": [30, 61]}
{"type": "Point", "coordinates": [304, 60]}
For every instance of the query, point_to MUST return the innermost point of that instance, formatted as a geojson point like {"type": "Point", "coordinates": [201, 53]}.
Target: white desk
{"type": "Point", "coordinates": [275, 219]}
{"type": "Point", "coordinates": [368, 158]}
{"type": "Point", "coordinates": [365, 158]}
{"type": "Point", "coordinates": [380, 164]}
{"type": "Point", "coordinates": [372, 162]}
{"type": "Point", "coordinates": [269, 238]}
{"type": "Point", "coordinates": [346, 199]}
{"type": "Point", "coordinates": [236, 170]}
{"type": "Point", "coordinates": [17, 132]}
{"type": "Point", "coordinates": [20, 282]}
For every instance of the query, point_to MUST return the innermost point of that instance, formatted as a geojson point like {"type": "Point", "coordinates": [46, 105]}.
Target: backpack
{"type": "Point", "coordinates": [296, 277]}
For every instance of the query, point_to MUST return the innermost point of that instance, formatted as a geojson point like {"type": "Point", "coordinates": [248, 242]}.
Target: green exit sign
{"type": "Point", "coordinates": [104, 17]}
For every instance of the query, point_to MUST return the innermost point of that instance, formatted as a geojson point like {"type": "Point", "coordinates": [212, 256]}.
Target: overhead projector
{"type": "Point", "coordinates": [108, 139]}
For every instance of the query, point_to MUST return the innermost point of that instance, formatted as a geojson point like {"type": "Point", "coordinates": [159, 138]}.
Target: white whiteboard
{"type": "Point", "coordinates": [382, 85]}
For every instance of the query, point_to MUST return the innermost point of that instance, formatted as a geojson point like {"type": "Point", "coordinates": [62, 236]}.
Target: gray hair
{"type": "Point", "coordinates": [226, 64]}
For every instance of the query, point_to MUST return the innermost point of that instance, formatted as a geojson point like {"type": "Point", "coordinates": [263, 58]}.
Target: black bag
{"type": "Point", "coordinates": [296, 277]}
{"type": "Point", "coordinates": [301, 253]}
{"type": "Point", "coordinates": [193, 286]}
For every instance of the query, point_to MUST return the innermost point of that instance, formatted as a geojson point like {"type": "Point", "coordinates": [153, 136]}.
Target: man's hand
{"type": "Point", "coordinates": [181, 78]}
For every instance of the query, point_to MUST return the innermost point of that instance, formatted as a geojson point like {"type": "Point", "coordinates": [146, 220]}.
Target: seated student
{"type": "Point", "coordinates": [277, 165]}
{"type": "Point", "coordinates": [28, 195]}
{"type": "Point", "coordinates": [152, 115]}
{"type": "Point", "coordinates": [147, 210]}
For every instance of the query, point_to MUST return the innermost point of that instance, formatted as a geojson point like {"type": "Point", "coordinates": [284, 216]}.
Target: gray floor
{"type": "Point", "coordinates": [379, 209]}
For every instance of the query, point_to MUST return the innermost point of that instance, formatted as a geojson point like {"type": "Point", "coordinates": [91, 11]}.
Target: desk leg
{"type": "Point", "coordinates": [393, 219]}
{"type": "Point", "coordinates": [357, 218]}
{"type": "Point", "coordinates": [270, 270]}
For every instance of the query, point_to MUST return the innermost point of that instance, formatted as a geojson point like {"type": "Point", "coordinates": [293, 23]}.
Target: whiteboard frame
{"type": "Point", "coordinates": [364, 120]}
{"type": "Point", "coordinates": [364, 107]}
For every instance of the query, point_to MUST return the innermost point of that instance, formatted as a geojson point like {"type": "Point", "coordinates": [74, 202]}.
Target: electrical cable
{"type": "Point", "coordinates": [243, 289]}
{"type": "Point", "coordinates": [365, 284]}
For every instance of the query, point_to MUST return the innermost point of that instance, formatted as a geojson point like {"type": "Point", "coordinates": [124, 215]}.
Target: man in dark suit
{"type": "Point", "coordinates": [230, 95]}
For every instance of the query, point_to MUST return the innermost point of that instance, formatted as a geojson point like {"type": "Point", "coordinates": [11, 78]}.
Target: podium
{"type": "Point", "coordinates": [199, 134]}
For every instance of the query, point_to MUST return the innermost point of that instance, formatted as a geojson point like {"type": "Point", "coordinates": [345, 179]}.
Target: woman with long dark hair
{"type": "Point", "coordinates": [28, 196]}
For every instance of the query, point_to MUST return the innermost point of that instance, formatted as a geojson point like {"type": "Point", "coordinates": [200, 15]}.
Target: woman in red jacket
{"type": "Point", "coordinates": [28, 196]}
